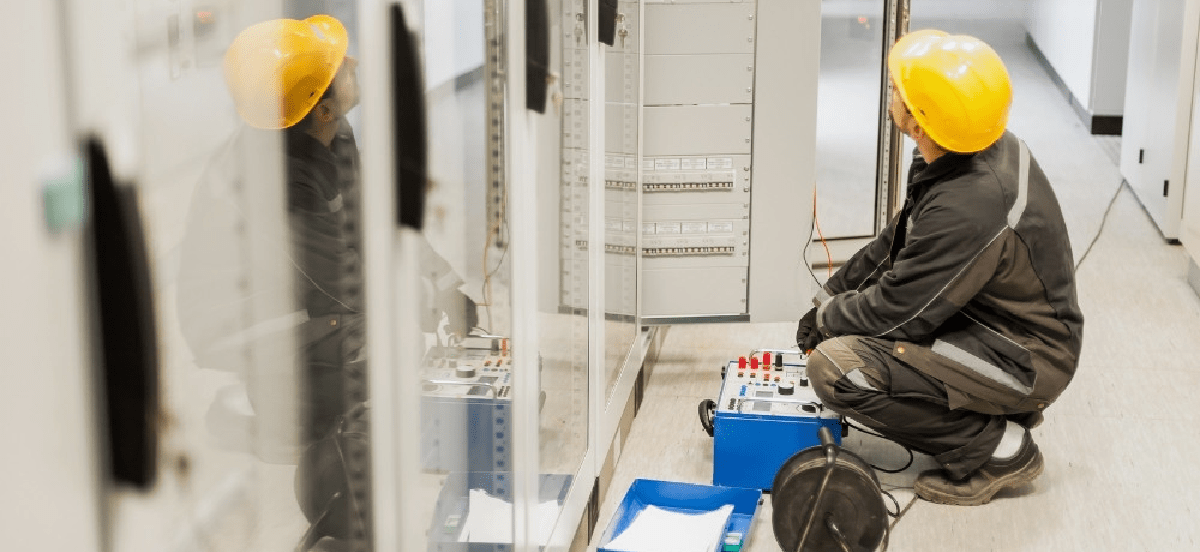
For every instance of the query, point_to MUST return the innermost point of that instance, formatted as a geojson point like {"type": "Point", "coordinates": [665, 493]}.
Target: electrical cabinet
{"type": "Point", "coordinates": [727, 168]}
{"type": "Point", "coordinates": [1158, 107]}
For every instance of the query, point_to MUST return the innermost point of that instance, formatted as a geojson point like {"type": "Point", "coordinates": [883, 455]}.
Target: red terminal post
{"type": "Point", "coordinates": [753, 363]}
{"type": "Point", "coordinates": [766, 358]}
{"type": "Point", "coordinates": [741, 363]}
{"type": "Point", "coordinates": [504, 346]}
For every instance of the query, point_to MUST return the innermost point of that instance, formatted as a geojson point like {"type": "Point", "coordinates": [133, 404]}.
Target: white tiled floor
{"type": "Point", "coordinates": [1119, 444]}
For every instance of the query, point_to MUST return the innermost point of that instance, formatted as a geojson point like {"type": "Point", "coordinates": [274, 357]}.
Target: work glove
{"type": "Point", "coordinates": [461, 311]}
{"type": "Point", "coordinates": [807, 335]}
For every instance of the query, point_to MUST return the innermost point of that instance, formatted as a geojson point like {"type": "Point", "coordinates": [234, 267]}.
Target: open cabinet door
{"type": "Point", "coordinates": [235, 381]}
{"type": "Point", "coordinates": [51, 468]}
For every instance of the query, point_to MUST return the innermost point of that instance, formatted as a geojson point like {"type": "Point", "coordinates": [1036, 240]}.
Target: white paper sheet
{"type": "Point", "coordinates": [490, 519]}
{"type": "Point", "coordinates": [658, 530]}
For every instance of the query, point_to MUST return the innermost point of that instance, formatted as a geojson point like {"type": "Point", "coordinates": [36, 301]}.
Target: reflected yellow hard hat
{"type": "Point", "coordinates": [277, 70]}
{"type": "Point", "coordinates": [956, 87]}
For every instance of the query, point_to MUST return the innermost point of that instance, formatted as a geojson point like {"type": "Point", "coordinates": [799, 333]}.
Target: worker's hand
{"type": "Point", "coordinates": [461, 311]}
{"type": "Point", "coordinates": [807, 336]}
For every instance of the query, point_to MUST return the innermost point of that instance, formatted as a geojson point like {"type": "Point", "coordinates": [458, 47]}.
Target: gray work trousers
{"type": "Point", "coordinates": [860, 377]}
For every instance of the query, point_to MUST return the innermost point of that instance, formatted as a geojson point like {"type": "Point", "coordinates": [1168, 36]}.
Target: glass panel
{"type": "Point", "coordinates": [621, 168]}
{"type": "Point", "coordinates": [253, 237]}
{"type": "Point", "coordinates": [468, 377]}
{"type": "Point", "coordinates": [466, 374]}
{"type": "Point", "coordinates": [563, 274]}
{"type": "Point", "coordinates": [848, 116]}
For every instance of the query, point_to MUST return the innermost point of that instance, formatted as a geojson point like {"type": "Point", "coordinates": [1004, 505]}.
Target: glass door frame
{"type": "Point", "coordinates": [392, 281]}
{"type": "Point", "coordinates": [889, 146]}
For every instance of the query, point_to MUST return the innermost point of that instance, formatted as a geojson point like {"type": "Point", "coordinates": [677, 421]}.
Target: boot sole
{"type": "Point", "coordinates": [1023, 476]}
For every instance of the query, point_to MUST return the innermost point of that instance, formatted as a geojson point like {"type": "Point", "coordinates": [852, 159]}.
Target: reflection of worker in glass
{"type": "Point", "coordinates": [294, 76]}
{"type": "Point", "coordinates": [953, 330]}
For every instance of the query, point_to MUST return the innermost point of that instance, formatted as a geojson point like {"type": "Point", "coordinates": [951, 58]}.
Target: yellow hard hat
{"type": "Point", "coordinates": [277, 70]}
{"type": "Point", "coordinates": [955, 86]}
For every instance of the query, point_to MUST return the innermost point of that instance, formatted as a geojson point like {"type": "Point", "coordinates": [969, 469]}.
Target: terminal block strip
{"type": "Point", "coordinates": [686, 186]}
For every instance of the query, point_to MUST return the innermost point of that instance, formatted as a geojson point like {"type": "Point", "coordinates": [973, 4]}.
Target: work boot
{"type": "Point", "coordinates": [979, 487]}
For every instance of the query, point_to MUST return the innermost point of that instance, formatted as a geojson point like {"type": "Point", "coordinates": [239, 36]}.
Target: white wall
{"type": "Point", "coordinates": [1112, 57]}
{"type": "Point", "coordinates": [1087, 43]}
{"type": "Point", "coordinates": [1065, 32]}
{"type": "Point", "coordinates": [453, 39]}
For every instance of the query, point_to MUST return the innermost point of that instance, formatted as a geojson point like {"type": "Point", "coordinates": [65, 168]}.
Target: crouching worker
{"type": "Point", "coordinates": [958, 325]}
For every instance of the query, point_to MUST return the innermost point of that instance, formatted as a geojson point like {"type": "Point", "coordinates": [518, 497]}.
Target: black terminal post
{"type": "Point", "coordinates": [779, 362]}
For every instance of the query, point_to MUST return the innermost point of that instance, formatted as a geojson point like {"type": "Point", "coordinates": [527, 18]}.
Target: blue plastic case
{"type": "Point", "coordinates": [687, 497]}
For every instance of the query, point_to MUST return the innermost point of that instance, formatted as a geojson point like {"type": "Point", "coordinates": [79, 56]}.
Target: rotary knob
{"type": "Point", "coordinates": [466, 371]}
{"type": "Point", "coordinates": [787, 388]}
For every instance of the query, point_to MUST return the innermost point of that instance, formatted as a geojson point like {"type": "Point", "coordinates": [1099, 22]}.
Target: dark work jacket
{"type": "Point", "coordinates": [322, 200]}
{"type": "Point", "coordinates": [978, 270]}
{"type": "Point", "coordinates": [240, 245]}
{"type": "Point", "coordinates": [323, 195]}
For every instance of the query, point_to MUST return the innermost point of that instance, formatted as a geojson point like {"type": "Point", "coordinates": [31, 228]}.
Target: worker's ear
{"type": "Point", "coordinates": [918, 132]}
{"type": "Point", "coordinates": [324, 111]}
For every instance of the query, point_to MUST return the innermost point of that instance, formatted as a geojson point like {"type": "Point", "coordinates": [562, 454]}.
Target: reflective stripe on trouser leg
{"type": "Point", "coordinates": [901, 403]}
{"type": "Point", "coordinates": [835, 362]}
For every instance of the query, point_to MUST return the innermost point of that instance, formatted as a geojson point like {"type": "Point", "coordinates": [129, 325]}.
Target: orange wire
{"type": "Point", "coordinates": [817, 224]}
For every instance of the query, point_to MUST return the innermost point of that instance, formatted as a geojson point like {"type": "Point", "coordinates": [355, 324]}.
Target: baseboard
{"type": "Point", "coordinates": [1101, 125]}
{"type": "Point", "coordinates": [1106, 125]}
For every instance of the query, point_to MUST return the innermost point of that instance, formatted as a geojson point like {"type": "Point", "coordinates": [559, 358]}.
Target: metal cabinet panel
{"type": "Point", "coordinates": [620, 128]}
{"type": "Point", "coordinates": [1162, 54]}
{"type": "Point", "coordinates": [699, 79]}
{"type": "Point", "coordinates": [702, 291]}
{"type": "Point", "coordinates": [726, 28]}
{"type": "Point", "coordinates": [622, 77]}
{"type": "Point", "coordinates": [692, 130]}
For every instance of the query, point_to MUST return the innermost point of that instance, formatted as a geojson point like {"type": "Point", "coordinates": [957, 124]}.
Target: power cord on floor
{"type": "Point", "coordinates": [1103, 219]}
